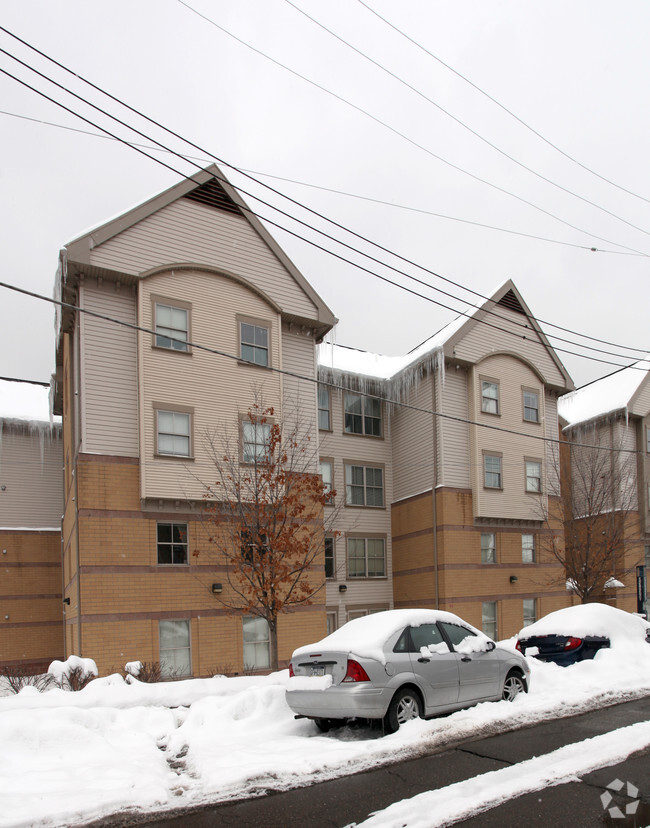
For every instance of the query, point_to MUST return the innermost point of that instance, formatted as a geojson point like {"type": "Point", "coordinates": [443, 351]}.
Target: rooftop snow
{"type": "Point", "coordinates": [26, 402]}
{"type": "Point", "coordinates": [604, 396]}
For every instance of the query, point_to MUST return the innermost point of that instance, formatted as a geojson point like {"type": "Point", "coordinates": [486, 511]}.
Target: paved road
{"type": "Point", "coordinates": [352, 799]}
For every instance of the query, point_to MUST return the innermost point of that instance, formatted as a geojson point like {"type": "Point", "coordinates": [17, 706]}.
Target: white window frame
{"type": "Point", "coordinates": [260, 343]}
{"type": "Point", "coordinates": [324, 396]}
{"type": "Point", "coordinates": [489, 456]}
{"type": "Point", "coordinates": [367, 418]}
{"type": "Point", "coordinates": [174, 430]}
{"type": "Point", "coordinates": [489, 619]}
{"type": "Point", "coordinates": [256, 643]}
{"type": "Point", "coordinates": [489, 400]}
{"type": "Point", "coordinates": [330, 541]}
{"type": "Point", "coordinates": [169, 334]}
{"type": "Point", "coordinates": [356, 540]}
{"type": "Point", "coordinates": [326, 468]}
{"type": "Point", "coordinates": [533, 487]}
{"type": "Point", "coordinates": [528, 548]}
{"type": "Point", "coordinates": [254, 441]}
{"type": "Point", "coordinates": [177, 660]}
{"type": "Point", "coordinates": [529, 611]}
{"type": "Point", "coordinates": [364, 485]}
{"type": "Point", "coordinates": [488, 551]}
{"type": "Point", "coordinates": [530, 408]}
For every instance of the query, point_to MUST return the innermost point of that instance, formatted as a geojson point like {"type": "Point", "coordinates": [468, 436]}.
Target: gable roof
{"type": "Point", "coordinates": [616, 392]}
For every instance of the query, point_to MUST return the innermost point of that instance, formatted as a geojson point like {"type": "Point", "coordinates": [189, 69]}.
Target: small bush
{"type": "Point", "coordinates": [18, 677]}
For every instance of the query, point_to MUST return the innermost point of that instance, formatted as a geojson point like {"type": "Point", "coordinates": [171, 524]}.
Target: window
{"type": "Point", "coordinates": [364, 486]}
{"type": "Point", "coordinates": [647, 439]}
{"type": "Point", "coordinates": [492, 469]}
{"type": "Point", "coordinates": [366, 558]}
{"type": "Point", "coordinates": [426, 635]}
{"type": "Point", "coordinates": [528, 548]}
{"type": "Point", "coordinates": [174, 433]}
{"type": "Point", "coordinates": [489, 619]}
{"type": "Point", "coordinates": [324, 419]}
{"type": "Point", "coordinates": [256, 643]}
{"type": "Point", "coordinates": [331, 622]}
{"type": "Point", "coordinates": [488, 547]}
{"type": "Point", "coordinates": [255, 441]}
{"type": "Point", "coordinates": [362, 415]}
{"type": "Point", "coordinates": [254, 343]}
{"type": "Point", "coordinates": [531, 406]}
{"type": "Point", "coordinates": [172, 543]}
{"type": "Point", "coordinates": [329, 557]}
{"type": "Point", "coordinates": [490, 397]}
{"type": "Point", "coordinates": [456, 633]}
{"type": "Point", "coordinates": [530, 611]}
{"type": "Point", "coordinates": [327, 473]}
{"type": "Point", "coordinates": [175, 658]}
{"type": "Point", "coordinates": [172, 327]}
{"type": "Point", "coordinates": [533, 476]}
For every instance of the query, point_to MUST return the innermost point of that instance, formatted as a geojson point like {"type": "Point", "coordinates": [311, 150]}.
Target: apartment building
{"type": "Point", "coordinates": [446, 471]}
{"type": "Point", "coordinates": [31, 504]}
{"type": "Point", "coordinates": [207, 307]}
{"type": "Point", "coordinates": [610, 421]}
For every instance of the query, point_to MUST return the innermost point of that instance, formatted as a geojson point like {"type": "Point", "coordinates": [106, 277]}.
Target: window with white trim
{"type": "Point", "coordinates": [533, 476]}
{"type": "Point", "coordinates": [174, 433]}
{"type": "Point", "coordinates": [366, 558]}
{"type": "Point", "coordinates": [364, 485]}
{"type": "Point", "coordinates": [488, 547]}
{"type": "Point", "coordinates": [490, 397]}
{"type": "Point", "coordinates": [171, 541]}
{"type": "Point", "coordinates": [255, 441]}
{"type": "Point", "coordinates": [327, 473]}
{"type": "Point", "coordinates": [175, 655]}
{"type": "Point", "coordinates": [172, 327]}
{"type": "Point", "coordinates": [530, 611]}
{"type": "Point", "coordinates": [329, 556]}
{"type": "Point", "coordinates": [489, 619]}
{"type": "Point", "coordinates": [255, 632]}
{"type": "Point", "coordinates": [528, 548]}
{"type": "Point", "coordinates": [362, 415]}
{"type": "Point", "coordinates": [332, 619]}
{"type": "Point", "coordinates": [254, 343]}
{"type": "Point", "coordinates": [493, 478]}
{"type": "Point", "coordinates": [531, 406]}
{"type": "Point", "coordinates": [324, 416]}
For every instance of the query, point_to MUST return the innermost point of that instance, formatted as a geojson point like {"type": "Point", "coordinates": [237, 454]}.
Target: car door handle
{"type": "Point", "coordinates": [466, 658]}
{"type": "Point", "coordinates": [424, 660]}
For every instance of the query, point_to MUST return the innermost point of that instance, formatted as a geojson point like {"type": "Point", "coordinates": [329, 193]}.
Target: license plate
{"type": "Point", "coordinates": [317, 671]}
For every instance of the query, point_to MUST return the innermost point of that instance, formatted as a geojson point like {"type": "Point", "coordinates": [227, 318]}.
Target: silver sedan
{"type": "Point", "coordinates": [400, 665]}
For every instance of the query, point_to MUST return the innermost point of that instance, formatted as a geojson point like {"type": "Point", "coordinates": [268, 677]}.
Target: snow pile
{"type": "Point", "coordinates": [69, 758]}
{"type": "Point", "coordinates": [83, 667]}
{"type": "Point", "coordinates": [622, 628]}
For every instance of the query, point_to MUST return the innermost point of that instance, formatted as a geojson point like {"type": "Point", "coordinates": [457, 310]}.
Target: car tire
{"type": "Point", "coordinates": [404, 706]}
{"type": "Point", "coordinates": [513, 686]}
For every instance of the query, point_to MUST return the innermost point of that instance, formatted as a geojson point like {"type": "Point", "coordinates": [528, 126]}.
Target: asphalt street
{"type": "Point", "coordinates": [350, 800]}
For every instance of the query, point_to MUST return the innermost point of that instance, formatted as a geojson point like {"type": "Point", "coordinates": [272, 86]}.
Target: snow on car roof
{"type": "Point", "coordinates": [590, 619]}
{"type": "Point", "coordinates": [366, 636]}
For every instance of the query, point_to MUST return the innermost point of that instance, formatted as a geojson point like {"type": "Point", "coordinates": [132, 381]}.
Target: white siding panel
{"type": "Point", "coordinates": [109, 381]}
{"type": "Point", "coordinates": [300, 396]}
{"type": "Point", "coordinates": [504, 334]}
{"type": "Point", "coordinates": [552, 446]}
{"type": "Point", "coordinates": [413, 448]}
{"type": "Point", "coordinates": [453, 435]}
{"type": "Point", "coordinates": [31, 461]}
{"type": "Point", "coordinates": [188, 232]}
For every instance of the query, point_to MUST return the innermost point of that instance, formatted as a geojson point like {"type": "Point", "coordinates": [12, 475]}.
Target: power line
{"type": "Point", "coordinates": [462, 124]}
{"type": "Point", "coordinates": [502, 106]}
{"type": "Point", "coordinates": [262, 201]}
{"type": "Point", "coordinates": [314, 380]}
{"type": "Point", "coordinates": [402, 135]}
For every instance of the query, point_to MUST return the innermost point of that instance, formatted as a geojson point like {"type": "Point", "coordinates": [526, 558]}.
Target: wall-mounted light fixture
{"type": "Point", "coordinates": [343, 588]}
{"type": "Point", "coordinates": [513, 579]}
{"type": "Point", "coordinates": [217, 589]}
{"type": "Point", "coordinates": [66, 601]}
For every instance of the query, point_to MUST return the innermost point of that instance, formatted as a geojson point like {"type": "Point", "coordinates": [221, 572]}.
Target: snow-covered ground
{"type": "Point", "coordinates": [69, 757]}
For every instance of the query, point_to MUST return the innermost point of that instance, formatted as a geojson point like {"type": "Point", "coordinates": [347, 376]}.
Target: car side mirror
{"type": "Point", "coordinates": [491, 646]}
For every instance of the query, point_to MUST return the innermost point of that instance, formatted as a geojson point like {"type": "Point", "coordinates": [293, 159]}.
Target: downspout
{"type": "Point", "coordinates": [434, 512]}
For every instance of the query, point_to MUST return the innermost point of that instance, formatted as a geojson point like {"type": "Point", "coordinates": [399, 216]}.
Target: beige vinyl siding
{"type": "Point", "coordinates": [412, 439]}
{"type": "Point", "coordinates": [31, 458]}
{"type": "Point", "coordinates": [299, 396]}
{"type": "Point", "coordinates": [219, 389]}
{"type": "Point", "coordinates": [188, 232]}
{"type": "Point", "coordinates": [625, 438]}
{"type": "Point", "coordinates": [108, 365]}
{"type": "Point", "coordinates": [641, 405]}
{"type": "Point", "coordinates": [512, 501]}
{"type": "Point", "coordinates": [552, 453]}
{"type": "Point", "coordinates": [481, 340]}
{"type": "Point", "coordinates": [453, 435]}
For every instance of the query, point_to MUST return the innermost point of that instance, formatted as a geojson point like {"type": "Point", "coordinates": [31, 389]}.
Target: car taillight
{"type": "Point", "coordinates": [355, 672]}
{"type": "Point", "coordinates": [518, 647]}
{"type": "Point", "coordinates": [572, 643]}
{"type": "Point", "coordinates": [291, 673]}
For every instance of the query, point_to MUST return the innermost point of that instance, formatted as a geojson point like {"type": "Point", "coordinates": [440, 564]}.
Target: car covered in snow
{"type": "Point", "coordinates": [399, 665]}
{"type": "Point", "coordinates": [577, 633]}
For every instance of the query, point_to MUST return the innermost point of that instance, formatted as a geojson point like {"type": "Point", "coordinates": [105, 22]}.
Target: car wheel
{"type": "Point", "coordinates": [513, 686]}
{"type": "Point", "coordinates": [404, 706]}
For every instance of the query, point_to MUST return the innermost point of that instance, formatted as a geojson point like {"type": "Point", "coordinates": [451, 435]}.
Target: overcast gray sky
{"type": "Point", "coordinates": [577, 73]}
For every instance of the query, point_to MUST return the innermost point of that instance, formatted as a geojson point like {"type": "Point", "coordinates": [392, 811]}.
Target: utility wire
{"type": "Point", "coordinates": [291, 200]}
{"type": "Point", "coordinates": [502, 106]}
{"type": "Point", "coordinates": [465, 126]}
{"type": "Point", "coordinates": [402, 135]}
{"type": "Point", "coordinates": [314, 380]}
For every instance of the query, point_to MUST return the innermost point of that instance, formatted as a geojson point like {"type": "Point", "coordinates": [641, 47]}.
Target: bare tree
{"type": "Point", "coordinates": [593, 486]}
{"type": "Point", "coordinates": [265, 518]}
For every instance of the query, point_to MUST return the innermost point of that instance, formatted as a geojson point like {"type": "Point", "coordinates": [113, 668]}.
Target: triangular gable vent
{"type": "Point", "coordinates": [510, 301]}
{"type": "Point", "coordinates": [213, 194]}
